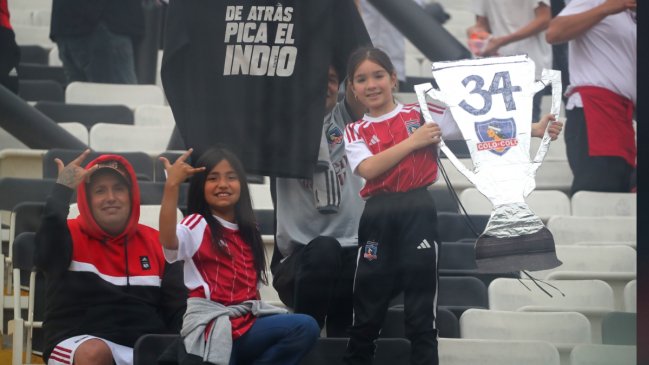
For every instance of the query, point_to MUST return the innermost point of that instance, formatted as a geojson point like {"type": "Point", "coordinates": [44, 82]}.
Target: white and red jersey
{"type": "Point", "coordinates": [370, 136]}
{"type": "Point", "coordinates": [212, 274]}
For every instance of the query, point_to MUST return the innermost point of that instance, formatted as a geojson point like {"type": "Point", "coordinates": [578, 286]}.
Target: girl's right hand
{"type": "Point", "coordinates": [427, 134]}
{"type": "Point", "coordinates": [180, 170]}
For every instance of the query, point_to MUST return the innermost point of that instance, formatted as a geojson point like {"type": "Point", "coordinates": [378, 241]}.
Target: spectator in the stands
{"type": "Point", "coordinates": [9, 51]}
{"type": "Point", "coordinates": [602, 96]}
{"type": "Point", "coordinates": [386, 37]}
{"type": "Point", "coordinates": [516, 27]}
{"type": "Point", "coordinates": [96, 38]}
{"type": "Point", "coordinates": [107, 282]}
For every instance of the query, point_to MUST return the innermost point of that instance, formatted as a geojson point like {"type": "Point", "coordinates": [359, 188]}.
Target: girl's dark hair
{"type": "Point", "coordinates": [244, 213]}
{"type": "Point", "coordinates": [368, 53]}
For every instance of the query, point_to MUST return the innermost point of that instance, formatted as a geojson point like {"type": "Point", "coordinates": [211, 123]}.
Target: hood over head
{"type": "Point", "coordinates": [86, 219]}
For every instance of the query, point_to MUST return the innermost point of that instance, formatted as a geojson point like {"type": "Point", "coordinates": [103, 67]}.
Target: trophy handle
{"type": "Point", "coordinates": [427, 88]}
{"type": "Point", "coordinates": [553, 77]}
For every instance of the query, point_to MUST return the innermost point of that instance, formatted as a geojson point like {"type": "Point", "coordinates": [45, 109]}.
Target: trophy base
{"type": "Point", "coordinates": [530, 252]}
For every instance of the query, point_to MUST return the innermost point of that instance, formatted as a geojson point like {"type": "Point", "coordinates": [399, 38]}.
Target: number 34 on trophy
{"type": "Point", "coordinates": [491, 102]}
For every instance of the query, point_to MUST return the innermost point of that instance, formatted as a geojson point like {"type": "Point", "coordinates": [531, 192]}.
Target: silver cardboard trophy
{"type": "Point", "coordinates": [491, 101]}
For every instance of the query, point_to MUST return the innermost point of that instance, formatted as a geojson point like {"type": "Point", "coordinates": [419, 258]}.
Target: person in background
{"type": "Point", "coordinates": [96, 38]}
{"type": "Point", "coordinates": [600, 138]}
{"type": "Point", "coordinates": [516, 27]}
{"type": "Point", "coordinates": [316, 238]}
{"type": "Point", "coordinates": [385, 36]}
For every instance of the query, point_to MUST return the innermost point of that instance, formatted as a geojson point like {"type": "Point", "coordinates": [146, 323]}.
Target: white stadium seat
{"type": "Point", "coordinates": [260, 195]}
{"type": "Point", "coordinates": [632, 244]}
{"type": "Point", "coordinates": [562, 329]}
{"type": "Point", "coordinates": [129, 138]}
{"type": "Point", "coordinates": [99, 93]}
{"type": "Point", "coordinates": [603, 355]}
{"type": "Point", "coordinates": [592, 298]}
{"type": "Point", "coordinates": [31, 35]}
{"type": "Point", "coordinates": [153, 116]}
{"type": "Point", "coordinates": [53, 57]}
{"type": "Point", "coordinates": [76, 129]}
{"type": "Point", "coordinates": [544, 203]}
{"type": "Point", "coordinates": [597, 204]}
{"type": "Point", "coordinates": [18, 162]}
{"type": "Point", "coordinates": [568, 230]}
{"type": "Point", "coordinates": [461, 351]}
{"type": "Point", "coordinates": [615, 265]}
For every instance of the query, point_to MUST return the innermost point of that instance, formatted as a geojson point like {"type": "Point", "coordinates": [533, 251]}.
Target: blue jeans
{"type": "Point", "coordinates": [101, 56]}
{"type": "Point", "coordinates": [281, 339]}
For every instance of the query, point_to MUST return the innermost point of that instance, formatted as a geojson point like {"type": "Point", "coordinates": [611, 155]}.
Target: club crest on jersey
{"type": "Point", "coordinates": [412, 125]}
{"type": "Point", "coordinates": [496, 135]}
{"type": "Point", "coordinates": [370, 251]}
{"type": "Point", "coordinates": [334, 135]}
{"type": "Point", "coordinates": [144, 261]}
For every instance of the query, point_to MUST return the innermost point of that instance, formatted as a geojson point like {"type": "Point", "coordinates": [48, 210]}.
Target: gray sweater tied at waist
{"type": "Point", "coordinates": [218, 347]}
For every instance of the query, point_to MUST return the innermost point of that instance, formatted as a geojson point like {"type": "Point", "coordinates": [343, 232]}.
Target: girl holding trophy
{"type": "Point", "coordinates": [396, 153]}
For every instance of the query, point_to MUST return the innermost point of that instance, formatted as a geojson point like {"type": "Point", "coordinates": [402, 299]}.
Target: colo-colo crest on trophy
{"type": "Point", "coordinates": [491, 101]}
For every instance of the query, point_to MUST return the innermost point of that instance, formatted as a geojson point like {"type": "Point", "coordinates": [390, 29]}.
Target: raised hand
{"type": "Point", "coordinates": [492, 47]}
{"type": "Point", "coordinates": [180, 170]}
{"type": "Point", "coordinates": [72, 174]}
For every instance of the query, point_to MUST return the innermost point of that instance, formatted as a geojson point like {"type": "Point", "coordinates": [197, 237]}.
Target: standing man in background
{"type": "Point", "coordinates": [600, 139]}
{"type": "Point", "coordinates": [96, 38]}
{"type": "Point", "coordinates": [516, 27]}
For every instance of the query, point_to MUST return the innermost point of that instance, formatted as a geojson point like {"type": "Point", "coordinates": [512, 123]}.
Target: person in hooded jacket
{"type": "Point", "coordinates": [106, 279]}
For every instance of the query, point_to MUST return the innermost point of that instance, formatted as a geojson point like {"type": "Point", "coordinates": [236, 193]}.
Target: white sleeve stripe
{"type": "Point", "coordinates": [433, 108]}
{"type": "Point", "coordinates": [191, 222]}
{"type": "Point", "coordinates": [150, 280]}
{"type": "Point", "coordinates": [190, 237]}
{"type": "Point", "coordinates": [351, 133]}
{"type": "Point", "coordinates": [184, 220]}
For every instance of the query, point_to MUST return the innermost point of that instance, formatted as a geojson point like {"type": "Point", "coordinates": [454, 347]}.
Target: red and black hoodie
{"type": "Point", "coordinates": [114, 287]}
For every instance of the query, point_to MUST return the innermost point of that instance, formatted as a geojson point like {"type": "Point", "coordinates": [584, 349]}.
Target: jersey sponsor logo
{"type": "Point", "coordinates": [144, 261]}
{"type": "Point", "coordinates": [334, 135]}
{"type": "Point", "coordinates": [411, 126]}
{"type": "Point", "coordinates": [259, 41]}
{"type": "Point", "coordinates": [496, 135]}
{"type": "Point", "coordinates": [374, 140]}
{"type": "Point", "coordinates": [371, 250]}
